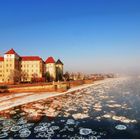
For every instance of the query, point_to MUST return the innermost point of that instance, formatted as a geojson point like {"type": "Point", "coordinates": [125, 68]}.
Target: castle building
{"type": "Point", "coordinates": [31, 67]}
{"type": "Point", "coordinates": [59, 70]}
{"type": "Point", "coordinates": [50, 68]}
{"type": "Point", "coordinates": [15, 68]}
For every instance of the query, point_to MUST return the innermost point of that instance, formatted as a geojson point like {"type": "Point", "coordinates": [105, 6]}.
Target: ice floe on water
{"type": "Point", "coordinates": [27, 125]}
{"type": "Point", "coordinates": [40, 128]}
{"type": "Point", "coordinates": [114, 105]}
{"type": "Point", "coordinates": [5, 129]}
{"type": "Point", "coordinates": [24, 133]}
{"type": "Point", "coordinates": [15, 128]}
{"type": "Point", "coordinates": [45, 132]}
{"type": "Point", "coordinates": [22, 120]}
{"type": "Point", "coordinates": [123, 119]}
{"type": "Point", "coordinates": [70, 121]}
{"type": "Point", "coordinates": [121, 127]}
{"type": "Point", "coordinates": [80, 116]}
{"type": "Point", "coordinates": [85, 131]}
{"type": "Point", "coordinates": [107, 116]}
{"type": "Point", "coordinates": [3, 135]}
{"type": "Point", "coordinates": [55, 128]}
{"type": "Point", "coordinates": [8, 122]}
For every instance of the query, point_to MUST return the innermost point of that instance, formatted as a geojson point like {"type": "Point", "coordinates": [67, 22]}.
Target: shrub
{"type": "Point", "coordinates": [3, 87]}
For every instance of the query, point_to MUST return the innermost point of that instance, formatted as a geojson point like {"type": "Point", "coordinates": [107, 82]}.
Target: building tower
{"type": "Point", "coordinates": [11, 66]}
{"type": "Point", "coordinates": [50, 69]}
{"type": "Point", "coordinates": [59, 70]}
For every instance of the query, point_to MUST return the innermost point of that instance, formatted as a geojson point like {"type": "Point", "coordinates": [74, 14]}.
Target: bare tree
{"type": "Point", "coordinates": [80, 76]}
{"type": "Point", "coordinates": [34, 77]}
{"type": "Point", "coordinates": [67, 76]}
{"type": "Point", "coordinates": [24, 76]}
{"type": "Point", "coordinates": [15, 76]}
{"type": "Point", "coordinates": [72, 76]}
{"type": "Point", "coordinates": [48, 77]}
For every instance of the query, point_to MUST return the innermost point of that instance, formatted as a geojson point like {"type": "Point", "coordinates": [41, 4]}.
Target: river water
{"type": "Point", "coordinates": [108, 110]}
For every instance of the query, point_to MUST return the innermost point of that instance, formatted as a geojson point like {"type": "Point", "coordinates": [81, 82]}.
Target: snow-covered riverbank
{"type": "Point", "coordinates": [9, 101]}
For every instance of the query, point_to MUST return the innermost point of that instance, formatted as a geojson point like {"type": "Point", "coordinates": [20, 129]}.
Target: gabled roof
{"type": "Point", "coordinates": [11, 51]}
{"type": "Point", "coordinates": [59, 62]}
{"type": "Point", "coordinates": [31, 58]}
{"type": "Point", "coordinates": [50, 60]}
{"type": "Point", "coordinates": [1, 58]}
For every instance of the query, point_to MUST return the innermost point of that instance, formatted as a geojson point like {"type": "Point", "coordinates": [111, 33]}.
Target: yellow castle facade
{"type": "Point", "coordinates": [15, 68]}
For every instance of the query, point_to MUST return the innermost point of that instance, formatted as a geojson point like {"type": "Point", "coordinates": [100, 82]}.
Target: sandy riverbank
{"type": "Point", "coordinates": [9, 101]}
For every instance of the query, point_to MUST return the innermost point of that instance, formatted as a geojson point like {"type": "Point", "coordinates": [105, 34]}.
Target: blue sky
{"type": "Point", "coordinates": [88, 35]}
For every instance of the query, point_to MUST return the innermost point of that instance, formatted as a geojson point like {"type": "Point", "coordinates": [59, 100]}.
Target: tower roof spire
{"type": "Point", "coordinates": [59, 62]}
{"type": "Point", "coordinates": [50, 60]}
{"type": "Point", "coordinates": [11, 51]}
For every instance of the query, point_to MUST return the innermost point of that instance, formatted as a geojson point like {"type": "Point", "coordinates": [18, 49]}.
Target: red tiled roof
{"type": "Point", "coordinates": [1, 58]}
{"type": "Point", "coordinates": [11, 51]}
{"type": "Point", "coordinates": [30, 58]}
{"type": "Point", "coordinates": [50, 60]}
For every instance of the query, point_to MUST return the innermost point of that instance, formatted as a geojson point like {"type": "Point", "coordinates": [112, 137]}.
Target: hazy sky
{"type": "Point", "coordinates": [88, 35]}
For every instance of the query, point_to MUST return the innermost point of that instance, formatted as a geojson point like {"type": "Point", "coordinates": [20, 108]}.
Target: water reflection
{"type": "Point", "coordinates": [109, 110]}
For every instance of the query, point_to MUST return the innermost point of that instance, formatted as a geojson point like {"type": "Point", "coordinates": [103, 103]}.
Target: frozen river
{"type": "Point", "coordinates": [108, 110]}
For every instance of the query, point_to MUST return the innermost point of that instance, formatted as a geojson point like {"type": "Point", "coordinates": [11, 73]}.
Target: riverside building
{"type": "Point", "coordinates": [16, 68]}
